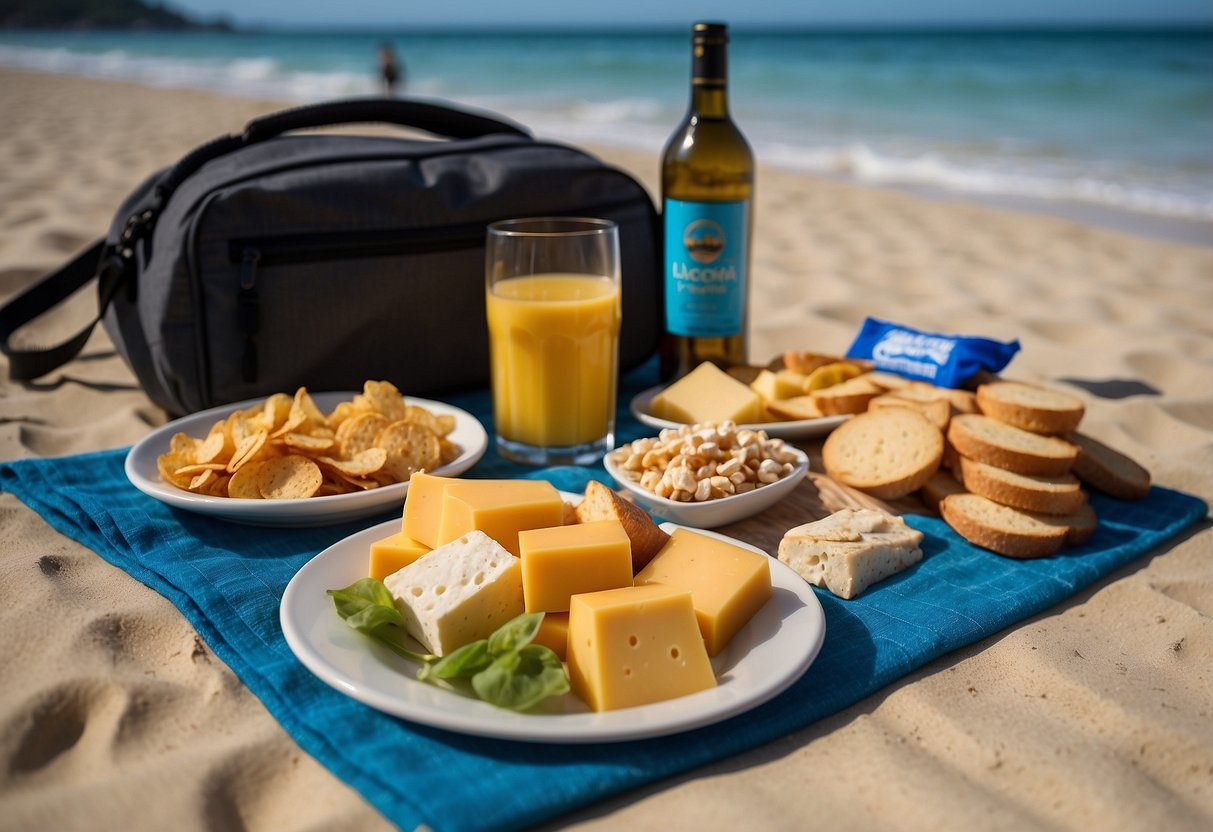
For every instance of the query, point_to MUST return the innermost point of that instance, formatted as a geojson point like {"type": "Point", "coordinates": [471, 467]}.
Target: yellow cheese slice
{"type": "Point", "coordinates": [635, 646]}
{"type": "Point", "coordinates": [554, 633]}
{"type": "Point", "coordinates": [560, 562]}
{"type": "Point", "coordinates": [438, 510]}
{"type": "Point", "coordinates": [728, 584]}
{"type": "Point", "coordinates": [393, 553]}
{"type": "Point", "coordinates": [499, 508]}
{"type": "Point", "coordinates": [707, 394]}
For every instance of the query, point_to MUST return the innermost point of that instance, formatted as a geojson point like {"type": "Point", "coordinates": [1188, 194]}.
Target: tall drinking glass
{"type": "Point", "coordinates": [553, 299]}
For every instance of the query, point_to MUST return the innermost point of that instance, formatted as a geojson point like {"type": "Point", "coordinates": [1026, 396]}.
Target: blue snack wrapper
{"type": "Point", "coordinates": [943, 360]}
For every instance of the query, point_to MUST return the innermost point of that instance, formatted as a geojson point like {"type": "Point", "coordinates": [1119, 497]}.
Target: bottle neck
{"type": "Point", "coordinates": [709, 79]}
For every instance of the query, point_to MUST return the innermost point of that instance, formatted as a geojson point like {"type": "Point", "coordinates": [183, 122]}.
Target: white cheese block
{"type": "Point", "coordinates": [458, 593]}
{"type": "Point", "coordinates": [850, 550]}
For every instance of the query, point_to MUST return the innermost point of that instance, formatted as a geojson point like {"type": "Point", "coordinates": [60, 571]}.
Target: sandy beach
{"type": "Point", "coordinates": [1095, 715]}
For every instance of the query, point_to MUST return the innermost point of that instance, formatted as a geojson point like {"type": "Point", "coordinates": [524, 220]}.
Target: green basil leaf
{"type": "Point", "coordinates": [360, 596]}
{"type": "Point", "coordinates": [522, 679]}
{"type": "Point", "coordinates": [515, 633]}
{"type": "Point", "coordinates": [467, 661]}
{"type": "Point", "coordinates": [367, 606]}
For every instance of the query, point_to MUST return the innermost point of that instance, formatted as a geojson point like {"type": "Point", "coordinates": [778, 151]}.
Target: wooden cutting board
{"type": "Point", "coordinates": [816, 497]}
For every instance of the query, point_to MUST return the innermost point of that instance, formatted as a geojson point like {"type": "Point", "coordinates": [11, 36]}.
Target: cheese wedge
{"type": "Point", "coordinates": [560, 562]}
{"type": "Point", "coordinates": [728, 584]}
{"type": "Point", "coordinates": [850, 550]}
{"type": "Point", "coordinates": [707, 394]}
{"type": "Point", "coordinates": [635, 646]}
{"type": "Point", "coordinates": [393, 553]}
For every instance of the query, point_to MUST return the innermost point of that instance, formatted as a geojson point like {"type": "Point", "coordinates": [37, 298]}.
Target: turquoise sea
{"type": "Point", "coordinates": [1109, 119]}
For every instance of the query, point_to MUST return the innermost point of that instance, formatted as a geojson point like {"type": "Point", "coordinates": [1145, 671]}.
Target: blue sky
{"type": "Point", "coordinates": [404, 13]}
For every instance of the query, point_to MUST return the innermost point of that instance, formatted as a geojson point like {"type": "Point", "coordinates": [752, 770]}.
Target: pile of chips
{"type": "Point", "coordinates": [287, 448]}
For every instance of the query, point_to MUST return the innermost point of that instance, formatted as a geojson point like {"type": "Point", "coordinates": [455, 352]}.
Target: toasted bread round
{"type": "Point", "coordinates": [601, 503]}
{"type": "Point", "coordinates": [886, 453]}
{"type": "Point", "coordinates": [1002, 529]}
{"type": "Point", "coordinates": [1046, 495]}
{"type": "Point", "coordinates": [1032, 408]}
{"type": "Point", "coordinates": [1006, 446]}
{"type": "Point", "coordinates": [939, 485]}
{"type": "Point", "coordinates": [851, 396]}
{"type": "Point", "coordinates": [938, 411]}
{"type": "Point", "coordinates": [1108, 470]}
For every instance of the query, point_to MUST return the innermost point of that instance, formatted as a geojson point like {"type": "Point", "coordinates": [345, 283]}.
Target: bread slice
{"type": "Point", "coordinates": [797, 407]}
{"type": "Point", "coordinates": [1080, 525]}
{"type": "Point", "coordinates": [1047, 495]}
{"type": "Point", "coordinates": [1006, 446]}
{"type": "Point", "coordinates": [1032, 408]}
{"type": "Point", "coordinates": [937, 411]}
{"type": "Point", "coordinates": [940, 485]}
{"type": "Point", "coordinates": [1108, 470]}
{"type": "Point", "coordinates": [601, 503]}
{"type": "Point", "coordinates": [1002, 529]}
{"type": "Point", "coordinates": [886, 453]}
{"type": "Point", "coordinates": [848, 397]}
{"type": "Point", "coordinates": [962, 401]}
{"type": "Point", "coordinates": [850, 550]}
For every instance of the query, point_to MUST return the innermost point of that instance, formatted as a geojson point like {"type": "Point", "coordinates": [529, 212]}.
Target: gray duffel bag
{"type": "Point", "coordinates": [271, 259]}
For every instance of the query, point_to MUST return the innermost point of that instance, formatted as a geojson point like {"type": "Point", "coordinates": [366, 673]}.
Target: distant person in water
{"type": "Point", "coordinates": [390, 70]}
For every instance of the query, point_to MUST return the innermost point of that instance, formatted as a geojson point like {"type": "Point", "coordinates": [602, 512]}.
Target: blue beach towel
{"type": "Point", "coordinates": [228, 580]}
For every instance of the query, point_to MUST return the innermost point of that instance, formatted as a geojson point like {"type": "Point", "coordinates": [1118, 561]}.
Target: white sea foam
{"type": "Point", "coordinates": [643, 122]}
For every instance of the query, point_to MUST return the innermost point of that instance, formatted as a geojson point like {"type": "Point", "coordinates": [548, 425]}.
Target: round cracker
{"type": "Point", "coordinates": [410, 448]}
{"type": "Point", "coordinates": [359, 432]}
{"type": "Point", "coordinates": [290, 477]}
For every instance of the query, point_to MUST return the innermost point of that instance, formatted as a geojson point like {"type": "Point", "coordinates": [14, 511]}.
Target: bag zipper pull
{"type": "Point", "coordinates": [247, 312]}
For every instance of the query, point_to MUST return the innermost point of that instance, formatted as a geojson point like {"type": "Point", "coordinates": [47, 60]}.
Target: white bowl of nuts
{"type": "Point", "coordinates": [707, 475]}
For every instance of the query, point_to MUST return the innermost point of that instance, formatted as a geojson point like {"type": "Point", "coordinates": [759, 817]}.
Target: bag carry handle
{"type": "Point", "coordinates": [58, 286]}
{"type": "Point", "coordinates": [438, 119]}
{"type": "Point", "coordinates": [55, 288]}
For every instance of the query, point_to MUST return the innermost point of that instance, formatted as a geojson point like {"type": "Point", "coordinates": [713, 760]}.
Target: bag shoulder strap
{"type": "Point", "coordinates": [41, 297]}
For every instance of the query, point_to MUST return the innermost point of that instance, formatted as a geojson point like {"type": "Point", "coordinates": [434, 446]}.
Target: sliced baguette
{"type": "Point", "coordinates": [1002, 529]}
{"type": "Point", "coordinates": [886, 453]}
{"type": "Point", "coordinates": [1032, 408]}
{"type": "Point", "coordinates": [1047, 495]}
{"type": "Point", "coordinates": [850, 550]}
{"type": "Point", "coordinates": [797, 407]}
{"type": "Point", "coordinates": [1108, 470]}
{"type": "Point", "coordinates": [601, 503]}
{"type": "Point", "coordinates": [1006, 446]}
{"type": "Point", "coordinates": [937, 411]}
{"type": "Point", "coordinates": [940, 485]}
{"type": "Point", "coordinates": [848, 397]}
{"type": "Point", "coordinates": [963, 401]}
{"type": "Point", "coordinates": [1080, 525]}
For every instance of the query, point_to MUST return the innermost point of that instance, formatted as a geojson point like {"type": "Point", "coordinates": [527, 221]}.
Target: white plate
{"type": "Point", "coordinates": [719, 512]}
{"type": "Point", "coordinates": [766, 656]}
{"type": "Point", "coordinates": [796, 429]}
{"type": "Point", "coordinates": [141, 470]}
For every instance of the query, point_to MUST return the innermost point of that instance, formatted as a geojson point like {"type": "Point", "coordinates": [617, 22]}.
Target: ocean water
{"type": "Point", "coordinates": [1115, 119]}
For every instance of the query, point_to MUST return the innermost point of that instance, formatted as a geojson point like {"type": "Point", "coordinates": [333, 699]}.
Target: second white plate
{"type": "Point", "coordinates": [141, 470]}
{"type": "Point", "coordinates": [771, 652]}
{"type": "Point", "coordinates": [796, 429]}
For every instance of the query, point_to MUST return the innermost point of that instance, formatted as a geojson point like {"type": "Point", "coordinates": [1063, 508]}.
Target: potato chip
{"type": "Point", "coordinates": [448, 451]}
{"type": "Point", "coordinates": [308, 443]}
{"type": "Point", "coordinates": [340, 413]}
{"type": "Point", "coordinates": [213, 446]}
{"type": "Point", "coordinates": [243, 484]}
{"type": "Point", "coordinates": [276, 411]}
{"type": "Point", "coordinates": [200, 481]}
{"type": "Point", "coordinates": [385, 398]}
{"type": "Point", "coordinates": [247, 450]}
{"type": "Point", "coordinates": [307, 406]}
{"type": "Point", "coordinates": [169, 464]}
{"type": "Point", "coordinates": [419, 415]}
{"type": "Point", "coordinates": [410, 447]}
{"type": "Point", "coordinates": [366, 462]}
{"type": "Point", "coordinates": [446, 424]}
{"type": "Point", "coordinates": [289, 477]}
{"type": "Point", "coordinates": [183, 443]}
{"type": "Point", "coordinates": [359, 433]}
{"type": "Point", "coordinates": [198, 468]}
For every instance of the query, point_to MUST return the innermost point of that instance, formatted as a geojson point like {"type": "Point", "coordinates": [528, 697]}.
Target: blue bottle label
{"type": "Point", "coordinates": [705, 261]}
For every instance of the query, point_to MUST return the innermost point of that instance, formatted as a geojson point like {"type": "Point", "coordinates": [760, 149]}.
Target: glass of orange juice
{"type": "Point", "coordinates": [553, 300]}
